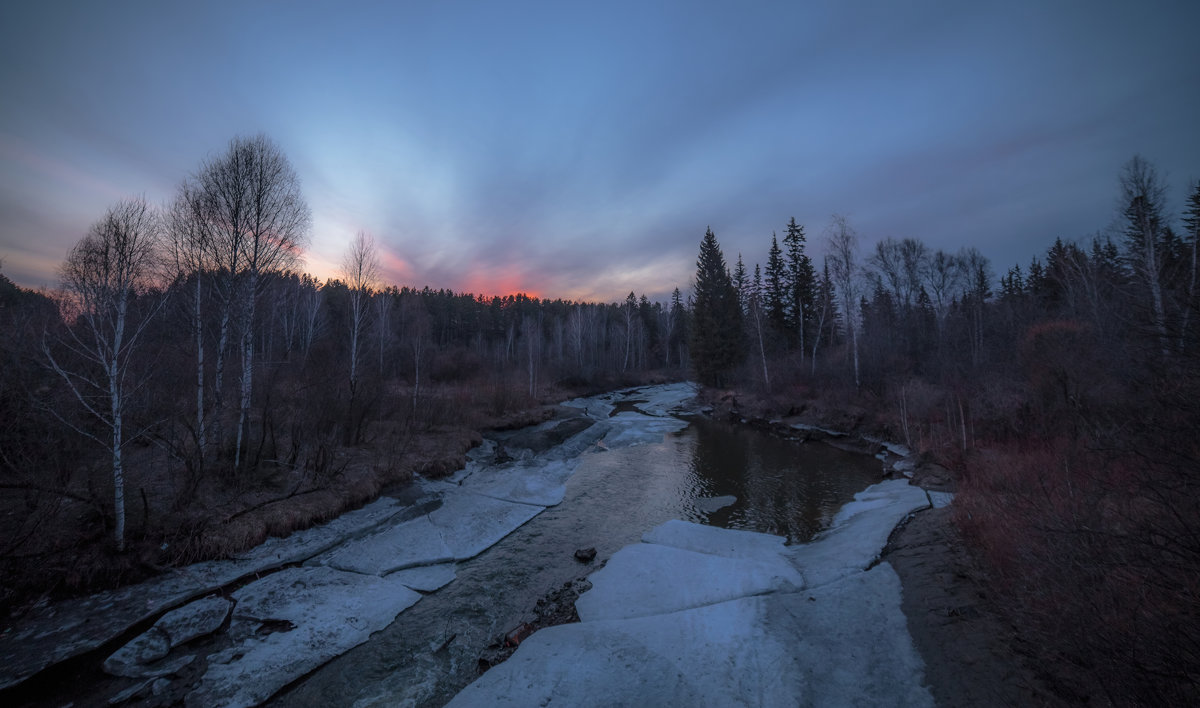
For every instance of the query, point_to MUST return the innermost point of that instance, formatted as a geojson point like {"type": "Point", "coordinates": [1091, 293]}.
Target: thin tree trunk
{"type": "Point", "coordinates": [854, 347]}
{"type": "Point", "coordinates": [247, 369]}
{"type": "Point", "coordinates": [219, 375]}
{"type": "Point", "coordinates": [198, 326]}
{"type": "Point", "coordinates": [1191, 298]}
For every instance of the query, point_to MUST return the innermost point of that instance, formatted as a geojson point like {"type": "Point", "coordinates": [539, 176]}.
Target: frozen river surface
{"type": "Point", "coordinates": [648, 468]}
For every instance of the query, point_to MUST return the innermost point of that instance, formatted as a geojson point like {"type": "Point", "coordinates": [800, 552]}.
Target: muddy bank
{"type": "Point", "coordinates": [973, 657]}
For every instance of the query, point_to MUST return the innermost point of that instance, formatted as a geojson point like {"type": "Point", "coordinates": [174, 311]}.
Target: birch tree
{"type": "Point", "coordinates": [842, 243]}
{"type": "Point", "coordinates": [360, 270]}
{"type": "Point", "coordinates": [415, 316]}
{"type": "Point", "coordinates": [190, 240]}
{"type": "Point", "coordinates": [101, 280]}
{"type": "Point", "coordinates": [259, 222]}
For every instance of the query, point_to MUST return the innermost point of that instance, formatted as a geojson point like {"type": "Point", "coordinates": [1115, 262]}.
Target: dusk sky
{"type": "Point", "coordinates": [581, 149]}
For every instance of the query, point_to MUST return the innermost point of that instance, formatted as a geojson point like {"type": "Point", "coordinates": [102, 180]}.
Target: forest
{"type": "Point", "coordinates": [188, 391]}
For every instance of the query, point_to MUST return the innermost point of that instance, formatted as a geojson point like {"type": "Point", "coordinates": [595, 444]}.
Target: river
{"type": "Point", "coordinates": [709, 472]}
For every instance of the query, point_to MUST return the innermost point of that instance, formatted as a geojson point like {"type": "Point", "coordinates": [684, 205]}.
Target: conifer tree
{"type": "Point", "coordinates": [717, 342]}
{"type": "Point", "coordinates": [680, 327]}
{"type": "Point", "coordinates": [801, 283]}
{"type": "Point", "coordinates": [776, 290]}
{"type": "Point", "coordinates": [740, 283]}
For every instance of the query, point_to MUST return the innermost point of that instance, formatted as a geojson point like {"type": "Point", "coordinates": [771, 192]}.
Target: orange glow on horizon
{"type": "Point", "coordinates": [503, 282]}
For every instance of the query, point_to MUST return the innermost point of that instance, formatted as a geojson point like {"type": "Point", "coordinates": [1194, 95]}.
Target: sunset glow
{"type": "Point", "coordinates": [582, 153]}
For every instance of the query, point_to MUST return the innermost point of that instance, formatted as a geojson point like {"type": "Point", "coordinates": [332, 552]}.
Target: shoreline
{"type": "Point", "coordinates": [973, 654]}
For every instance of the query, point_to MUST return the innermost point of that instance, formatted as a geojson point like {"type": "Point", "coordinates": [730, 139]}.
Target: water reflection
{"type": "Point", "coordinates": [782, 488]}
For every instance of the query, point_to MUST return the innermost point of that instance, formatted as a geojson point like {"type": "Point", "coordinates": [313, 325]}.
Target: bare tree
{"type": "Point", "coordinates": [823, 310]}
{"type": "Point", "coordinates": [576, 329]}
{"type": "Point", "coordinates": [383, 322]}
{"type": "Point", "coordinates": [629, 318]}
{"type": "Point", "coordinates": [259, 223]}
{"type": "Point", "coordinates": [842, 243]}
{"type": "Point", "coordinates": [416, 333]}
{"type": "Point", "coordinates": [1143, 194]}
{"type": "Point", "coordinates": [942, 275]}
{"type": "Point", "coordinates": [360, 269]}
{"type": "Point", "coordinates": [531, 332]}
{"type": "Point", "coordinates": [666, 330]}
{"type": "Point", "coordinates": [308, 301]}
{"type": "Point", "coordinates": [101, 280]}
{"type": "Point", "coordinates": [190, 241]}
{"type": "Point", "coordinates": [754, 311]}
{"type": "Point", "coordinates": [977, 278]}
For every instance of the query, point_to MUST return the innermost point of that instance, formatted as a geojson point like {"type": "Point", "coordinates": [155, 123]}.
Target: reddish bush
{"type": "Point", "coordinates": [1097, 558]}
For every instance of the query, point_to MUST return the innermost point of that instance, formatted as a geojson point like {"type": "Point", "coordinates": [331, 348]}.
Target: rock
{"type": "Point", "coordinates": [130, 660]}
{"type": "Point", "coordinates": [518, 635]}
{"type": "Point", "coordinates": [193, 620]}
{"type": "Point", "coordinates": [585, 555]}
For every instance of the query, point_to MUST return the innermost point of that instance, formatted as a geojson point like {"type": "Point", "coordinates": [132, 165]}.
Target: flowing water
{"type": "Point", "coordinates": [432, 650]}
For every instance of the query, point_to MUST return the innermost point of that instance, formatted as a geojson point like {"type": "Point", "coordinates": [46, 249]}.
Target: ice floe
{"type": "Point", "coordinates": [696, 615]}
{"type": "Point", "coordinates": [291, 622]}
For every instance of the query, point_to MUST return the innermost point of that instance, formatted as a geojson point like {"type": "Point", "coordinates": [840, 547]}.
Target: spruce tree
{"type": "Point", "coordinates": [717, 342]}
{"type": "Point", "coordinates": [801, 283]}
{"type": "Point", "coordinates": [740, 283]}
{"type": "Point", "coordinates": [776, 295]}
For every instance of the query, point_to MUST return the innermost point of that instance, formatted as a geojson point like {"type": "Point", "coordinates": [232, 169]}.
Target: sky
{"type": "Point", "coordinates": [580, 150]}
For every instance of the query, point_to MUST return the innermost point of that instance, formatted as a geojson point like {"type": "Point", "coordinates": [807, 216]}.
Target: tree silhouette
{"type": "Point", "coordinates": [717, 340]}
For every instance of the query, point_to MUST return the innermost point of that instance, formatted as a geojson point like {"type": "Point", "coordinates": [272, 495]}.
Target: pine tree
{"type": "Point", "coordinates": [680, 327]}
{"type": "Point", "coordinates": [717, 342]}
{"type": "Point", "coordinates": [801, 283]}
{"type": "Point", "coordinates": [776, 281]}
{"type": "Point", "coordinates": [740, 283]}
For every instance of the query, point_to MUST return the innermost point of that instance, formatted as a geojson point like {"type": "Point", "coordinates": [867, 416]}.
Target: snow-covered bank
{"type": "Point", "coordinates": [385, 551]}
{"type": "Point", "coordinates": [696, 615]}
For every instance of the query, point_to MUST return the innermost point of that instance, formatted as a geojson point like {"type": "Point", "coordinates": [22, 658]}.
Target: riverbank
{"type": "Point", "coordinates": [973, 656]}
{"type": "Point", "coordinates": [177, 517]}
{"type": "Point", "coordinates": [973, 653]}
{"type": "Point", "coordinates": [278, 611]}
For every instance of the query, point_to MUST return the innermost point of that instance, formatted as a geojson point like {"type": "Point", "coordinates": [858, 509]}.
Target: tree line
{"type": "Point", "coordinates": [1066, 394]}
{"type": "Point", "coordinates": [188, 333]}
